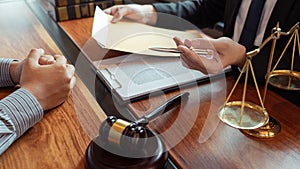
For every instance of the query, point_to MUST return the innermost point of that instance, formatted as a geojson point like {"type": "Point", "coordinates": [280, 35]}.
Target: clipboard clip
{"type": "Point", "coordinates": [203, 52]}
{"type": "Point", "coordinates": [116, 84]}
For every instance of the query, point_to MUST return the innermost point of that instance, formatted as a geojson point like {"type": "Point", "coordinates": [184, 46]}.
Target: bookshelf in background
{"type": "Point", "coordinates": [62, 10]}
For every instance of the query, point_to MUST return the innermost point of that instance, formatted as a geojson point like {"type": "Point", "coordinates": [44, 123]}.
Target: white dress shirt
{"type": "Point", "coordinates": [241, 17]}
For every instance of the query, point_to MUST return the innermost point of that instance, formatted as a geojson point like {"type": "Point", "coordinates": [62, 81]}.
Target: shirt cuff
{"type": "Point", "coordinates": [160, 14]}
{"type": "Point", "coordinates": [23, 110]}
{"type": "Point", "coordinates": [5, 79]}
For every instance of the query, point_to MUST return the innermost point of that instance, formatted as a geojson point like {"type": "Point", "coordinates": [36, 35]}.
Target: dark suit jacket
{"type": "Point", "coordinates": [205, 13]}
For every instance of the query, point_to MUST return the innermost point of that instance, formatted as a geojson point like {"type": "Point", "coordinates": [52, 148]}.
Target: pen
{"type": "Point", "coordinates": [171, 103]}
{"type": "Point", "coordinates": [206, 52]}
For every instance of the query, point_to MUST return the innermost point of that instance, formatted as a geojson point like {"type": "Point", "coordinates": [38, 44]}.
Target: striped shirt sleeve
{"type": "Point", "coordinates": [18, 111]}
{"type": "Point", "coordinates": [5, 79]}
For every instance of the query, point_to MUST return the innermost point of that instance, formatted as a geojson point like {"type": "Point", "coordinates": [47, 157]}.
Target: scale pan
{"type": "Point", "coordinates": [285, 79]}
{"type": "Point", "coordinates": [253, 116]}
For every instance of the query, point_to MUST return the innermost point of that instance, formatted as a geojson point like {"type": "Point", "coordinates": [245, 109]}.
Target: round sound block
{"type": "Point", "coordinates": [103, 155]}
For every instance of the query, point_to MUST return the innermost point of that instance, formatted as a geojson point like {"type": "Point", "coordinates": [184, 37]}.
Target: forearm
{"type": "Point", "coordinates": [201, 13]}
{"type": "Point", "coordinates": [19, 111]}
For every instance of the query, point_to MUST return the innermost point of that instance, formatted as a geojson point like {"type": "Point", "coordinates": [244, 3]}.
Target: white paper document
{"type": "Point", "coordinates": [134, 37]}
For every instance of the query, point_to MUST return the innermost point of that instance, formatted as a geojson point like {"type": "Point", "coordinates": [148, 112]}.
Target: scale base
{"type": "Point", "coordinates": [270, 130]}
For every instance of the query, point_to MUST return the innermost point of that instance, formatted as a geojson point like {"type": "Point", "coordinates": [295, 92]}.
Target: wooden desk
{"type": "Point", "coordinates": [208, 143]}
{"type": "Point", "coordinates": [60, 139]}
{"type": "Point", "coordinates": [196, 136]}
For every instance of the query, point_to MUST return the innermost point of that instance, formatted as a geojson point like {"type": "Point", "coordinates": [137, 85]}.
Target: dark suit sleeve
{"type": "Point", "coordinates": [190, 13]}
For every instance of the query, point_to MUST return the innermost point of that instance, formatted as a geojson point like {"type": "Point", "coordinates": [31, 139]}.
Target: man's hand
{"type": "Point", "coordinates": [225, 52]}
{"type": "Point", "coordinates": [140, 13]}
{"type": "Point", "coordinates": [51, 84]}
{"type": "Point", "coordinates": [17, 66]}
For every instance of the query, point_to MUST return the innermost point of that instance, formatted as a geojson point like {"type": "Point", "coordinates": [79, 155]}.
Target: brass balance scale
{"type": "Point", "coordinates": [253, 119]}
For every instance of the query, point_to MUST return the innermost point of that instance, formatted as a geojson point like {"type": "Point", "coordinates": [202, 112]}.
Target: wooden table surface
{"type": "Point", "coordinates": [193, 132]}
{"type": "Point", "coordinates": [200, 139]}
{"type": "Point", "coordinates": [60, 139]}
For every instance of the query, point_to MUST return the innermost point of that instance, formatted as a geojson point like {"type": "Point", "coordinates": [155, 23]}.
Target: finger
{"type": "Point", "coordinates": [183, 62]}
{"type": "Point", "coordinates": [60, 59]}
{"type": "Point", "coordinates": [73, 82]}
{"type": "Point", "coordinates": [193, 60]}
{"type": "Point", "coordinates": [108, 10]}
{"type": "Point", "coordinates": [177, 41]}
{"type": "Point", "coordinates": [112, 10]}
{"type": "Point", "coordinates": [192, 64]}
{"type": "Point", "coordinates": [119, 14]}
{"type": "Point", "coordinates": [188, 43]}
{"type": "Point", "coordinates": [202, 43]}
{"type": "Point", "coordinates": [189, 61]}
{"type": "Point", "coordinates": [34, 55]}
{"type": "Point", "coordinates": [187, 55]}
{"type": "Point", "coordinates": [70, 70]}
{"type": "Point", "coordinates": [46, 60]}
{"type": "Point", "coordinates": [185, 50]}
{"type": "Point", "coordinates": [203, 64]}
{"type": "Point", "coordinates": [191, 54]}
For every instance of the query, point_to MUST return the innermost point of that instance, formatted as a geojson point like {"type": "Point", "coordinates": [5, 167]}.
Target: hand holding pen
{"type": "Point", "coordinates": [226, 52]}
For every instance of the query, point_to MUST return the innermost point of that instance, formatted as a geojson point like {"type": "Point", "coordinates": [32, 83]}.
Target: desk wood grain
{"type": "Point", "coordinates": [60, 139]}
{"type": "Point", "coordinates": [209, 143]}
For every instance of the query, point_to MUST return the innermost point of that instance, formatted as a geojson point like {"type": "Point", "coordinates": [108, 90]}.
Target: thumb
{"type": "Point", "coordinates": [34, 55]}
{"type": "Point", "coordinates": [108, 11]}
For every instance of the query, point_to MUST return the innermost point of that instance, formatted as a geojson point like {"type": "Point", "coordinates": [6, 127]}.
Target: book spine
{"type": "Point", "coordinates": [77, 11]}
{"type": "Point", "coordinates": [60, 3]}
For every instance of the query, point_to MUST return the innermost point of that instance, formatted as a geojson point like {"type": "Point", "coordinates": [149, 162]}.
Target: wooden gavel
{"type": "Point", "coordinates": [132, 135]}
{"type": "Point", "coordinates": [123, 144]}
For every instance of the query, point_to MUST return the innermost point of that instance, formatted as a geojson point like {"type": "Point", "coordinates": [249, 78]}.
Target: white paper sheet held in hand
{"type": "Point", "coordinates": [134, 37]}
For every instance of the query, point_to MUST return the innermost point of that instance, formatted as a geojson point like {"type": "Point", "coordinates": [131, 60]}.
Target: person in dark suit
{"type": "Point", "coordinates": [206, 13]}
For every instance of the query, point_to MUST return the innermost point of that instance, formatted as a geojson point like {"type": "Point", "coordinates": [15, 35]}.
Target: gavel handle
{"type": "Point", "coordinates": [165, 107]}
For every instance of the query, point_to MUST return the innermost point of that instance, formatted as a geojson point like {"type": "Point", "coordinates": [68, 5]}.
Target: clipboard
{"type": "Point", "coordinates": [132, 77]}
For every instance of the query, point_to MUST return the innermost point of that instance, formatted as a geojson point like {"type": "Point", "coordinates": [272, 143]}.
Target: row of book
{"type": "Point", "coordinates": [62, 10]}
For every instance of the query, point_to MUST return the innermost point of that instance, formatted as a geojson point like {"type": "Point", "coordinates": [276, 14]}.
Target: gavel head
{"type": "Point", "coordinates": [123, 144]}
{"type": "Point", "coordinates": [123, 134]}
